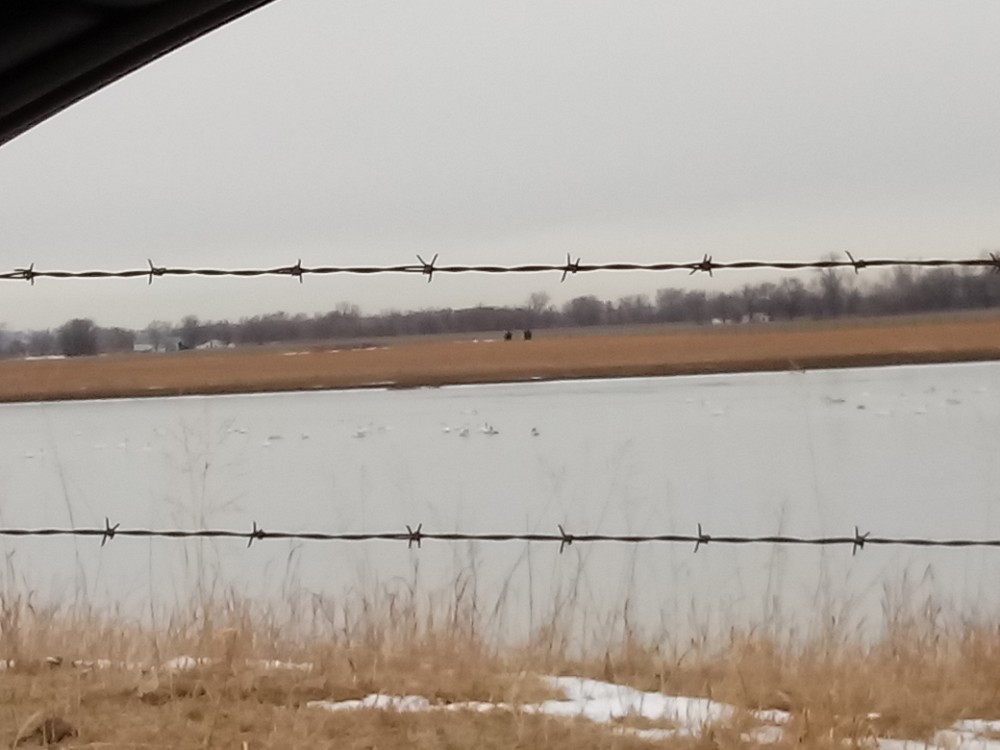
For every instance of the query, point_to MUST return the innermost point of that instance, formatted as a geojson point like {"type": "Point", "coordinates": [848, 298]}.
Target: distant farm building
{"type": "Point", "coordinates": [215, 344]}
{"type": "Point", "coordinates": [143, 343]}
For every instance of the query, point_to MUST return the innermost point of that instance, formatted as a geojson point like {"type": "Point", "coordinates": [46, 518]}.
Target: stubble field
{"type": "Point", "coordinates": [435, 361]}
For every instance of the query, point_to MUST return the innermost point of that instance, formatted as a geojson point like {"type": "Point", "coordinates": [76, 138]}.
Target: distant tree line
{"type": "Point", "coordinates": [830, 293]}
{"type": "Point", "coordinates": [75, 338]}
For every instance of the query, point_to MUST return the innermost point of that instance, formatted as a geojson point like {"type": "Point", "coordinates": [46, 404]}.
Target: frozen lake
{"type": "Point", "coordinates": [909, 451]}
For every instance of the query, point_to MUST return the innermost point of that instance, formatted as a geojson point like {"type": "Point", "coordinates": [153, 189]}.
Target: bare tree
{"type": "Point", "coordinates": [157, 333]}
{"type": "Point", "coordinates": [190, 331]}
{"type": "Point", "coordinates": [538, 302]}
{"type": "Point", "coordinates": [78, 338]}
{"type": "Point", "coordinates": [584, 311]}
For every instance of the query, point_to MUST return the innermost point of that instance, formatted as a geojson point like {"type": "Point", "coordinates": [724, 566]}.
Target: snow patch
{"type": "Point", "coordinates": [600, 702]}
{"type": "Point", "coordinates": [608, 703]}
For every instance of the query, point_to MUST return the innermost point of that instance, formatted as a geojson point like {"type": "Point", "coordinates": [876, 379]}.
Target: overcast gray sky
{"type": "Point", "coordinates": [505, 132]}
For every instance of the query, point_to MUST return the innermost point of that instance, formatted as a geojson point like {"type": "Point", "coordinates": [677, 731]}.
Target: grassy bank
{"type": "Point", "coordinates": [920, 678]}
{"type": "Point", "coordinates": [433, 361]}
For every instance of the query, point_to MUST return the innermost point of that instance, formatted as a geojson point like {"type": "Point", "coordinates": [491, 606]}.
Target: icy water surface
{"type": "Point", "coordinates": [910, 451]}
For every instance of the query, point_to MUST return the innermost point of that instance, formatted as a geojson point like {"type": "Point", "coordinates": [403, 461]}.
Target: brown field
{"type": "Point", "coordinates": [435, 361]}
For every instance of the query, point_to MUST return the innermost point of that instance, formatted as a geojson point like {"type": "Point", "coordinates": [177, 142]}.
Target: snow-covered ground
{"type": "Point", "coordinates": [600, 702]}
{"type": "Point", "coordinates": [609, 703]}
{"type": "Point", "coordinates": [895, 451]}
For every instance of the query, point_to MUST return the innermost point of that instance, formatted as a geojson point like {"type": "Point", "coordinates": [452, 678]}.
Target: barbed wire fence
{"type": "Point", "coordinates": [415, 536]}
{"type": "Point", "coordinates": [429, 268]}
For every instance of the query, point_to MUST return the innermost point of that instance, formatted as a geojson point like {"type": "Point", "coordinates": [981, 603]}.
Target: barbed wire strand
{"type": "Point", "coordinates": [569, 268]}
{"type": "Point", "coordinates": [415, 536]}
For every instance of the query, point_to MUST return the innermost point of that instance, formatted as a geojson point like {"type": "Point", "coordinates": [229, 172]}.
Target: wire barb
{"type": "Point", "coordinates": [859, 541]}
{"type": "Point", "coordinates": [565, 540]}
{"type": "Point", "coordinates": [428, 269]}
{"type": "Point", "coordinates": [154, 271]}
{"type": "Point", "coordinates": [109, 531]}
{"type": "Point", "coordinates": [857, 264]}
{"type": "Point", "coordinates": [414, 536]}
{"type": "Point", "coordinates": [701, 539]}
{"type": "Point", "coordinates": [296, 270]}
{"type": "Point", "coordinates": [705, 264]}
{"type": "Point", "coordinates": [570, 267]}
{"type": "Point", "coordinates": [255, 534]}
{"type": "Point", "coordinates": [28, 274]}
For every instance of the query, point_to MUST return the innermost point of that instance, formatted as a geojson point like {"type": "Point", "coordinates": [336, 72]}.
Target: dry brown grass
{"type": "Point", "coordinates": [915, 681]}
{"type": "Point", "coordinates": [232, 699]}
{"type": "Point", "coordinates": [411, 363]}
{"type": "Point", "coordinates": [919, 678]}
